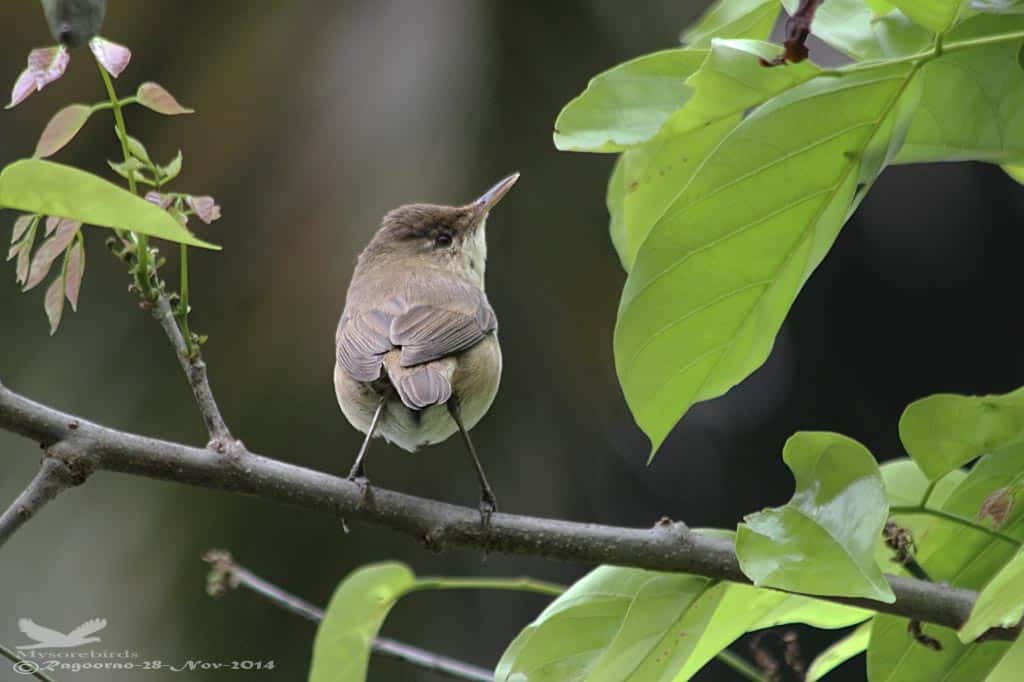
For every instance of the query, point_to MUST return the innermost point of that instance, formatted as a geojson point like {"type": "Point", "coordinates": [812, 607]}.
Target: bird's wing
{"type": "Point", "coordinates": [432, 317]}
{"type": "Point", "coordinates": [38, 632]}
{"type": "Point", "coordinates": [87, 628]}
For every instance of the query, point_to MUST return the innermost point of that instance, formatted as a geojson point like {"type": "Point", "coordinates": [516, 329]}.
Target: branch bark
{"type": "Point", "coordinates": [667, 546]}
{"type": "Point", "coordinates": [195, 371]}
{"type": "Point", "coordinates": [225, 570]}
{"type": "Point", "coordinates": [54, 477]}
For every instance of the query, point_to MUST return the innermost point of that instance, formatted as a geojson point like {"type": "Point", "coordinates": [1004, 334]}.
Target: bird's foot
{"type": "Point", "coordinates": [488, 506]}
{"type": "Point", "coordinates": [365, 491]}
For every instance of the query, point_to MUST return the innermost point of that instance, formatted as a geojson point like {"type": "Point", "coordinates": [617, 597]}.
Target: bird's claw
{"type": "Point", "coordinates": [365, 492]}
{"type": "Point", "coordinates": [488, 506]}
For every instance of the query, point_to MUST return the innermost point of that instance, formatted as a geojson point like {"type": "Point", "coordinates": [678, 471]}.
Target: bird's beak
{"type": "Point", "coordinates": [492, 196]}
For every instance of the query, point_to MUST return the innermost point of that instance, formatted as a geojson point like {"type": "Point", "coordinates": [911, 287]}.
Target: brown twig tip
{"type": "Point", "coordinates": [901, 541]}
{"type": "Point", "coordinates": [997, 506]}
{"type": "Point", "coordinates": [914, 628]}
{"type": "Point", "coordinates": [221, 577]}
{"type": "Point", "coordinates": [798, 30]}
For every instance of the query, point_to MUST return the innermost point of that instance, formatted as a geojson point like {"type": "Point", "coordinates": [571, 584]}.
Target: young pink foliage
{"type": "Point", "coordinates": [61, 129]}
{"type": "Point", "coordinates": [20, 225]}
{"type": "Point", "coordinates": [54, 303]}
{"type": "Point", "coordinates": [111, 56]}
{"type": "Point", "coordinates": [75, 272]}
{"type": "Point", "coordinates": [49, 251]}
{"type": "Point", "coordinates": [205, 208]}
{"type": "Point", "coordinates": [45, 65]}
{"type": "Point", "coordinates": [153, 96]}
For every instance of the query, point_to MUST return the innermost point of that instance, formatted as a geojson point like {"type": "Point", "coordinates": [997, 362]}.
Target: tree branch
{"type": "Point", "coordinates": [55, 475]}
{"type": "Point", "coordinates": [195, 370]}
{"type": "Point", "coordinates": [667, 546]}
{"type": "Point", "coordinates": [226, 573]}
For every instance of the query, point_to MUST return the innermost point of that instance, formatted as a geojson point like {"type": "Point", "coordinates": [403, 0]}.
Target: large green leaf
{"type": "Point", "coordinates": [945, 431]}
{"type": "Point", "coordinates": [733, 19]}
{"type": "Point", "coordinates": [1008, 669]}
{"type": "Point", "coordinates": [935, 15]}
{"type": "Point", "coordinates": [729, 82]}
{"type": "Point", "coordinates": [852, 27]}
{"type": "Point", "coordinates": [893, 656]}
{"type": "Point", "coordinates": [961, 556]}
{"type": "Point", "coordinates": [823, 540]}
{"type": "Point", "coordinates": [48, 188]}
{"type": "Point", "coordinates": [715, 277]}
{"type": "Point", "coordinates": [627, 104]}
{"type": "Point", "coordinates": [625, 624]}
{"type": "Point", "coordinates": [972, 101]}
{"type": "Point", "coordinates": [834, 656]}
{"type": "Point", "coordinates": [341, 651]}
{"type": "Point", "coordinates": [1000, 604]}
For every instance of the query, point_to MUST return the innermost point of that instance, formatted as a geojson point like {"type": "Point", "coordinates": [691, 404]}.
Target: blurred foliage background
{"type": "Point", "coordinates": [315, 119]}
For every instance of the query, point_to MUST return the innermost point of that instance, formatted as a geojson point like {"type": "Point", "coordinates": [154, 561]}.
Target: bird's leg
{"type": "Point", "coordinates": [358, 473]}
{"type": "Point", "coordinates": [488, 503]}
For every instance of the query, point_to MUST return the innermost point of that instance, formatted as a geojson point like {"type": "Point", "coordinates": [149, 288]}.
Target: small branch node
{"type": "Point", "coordinates": [914, 628]}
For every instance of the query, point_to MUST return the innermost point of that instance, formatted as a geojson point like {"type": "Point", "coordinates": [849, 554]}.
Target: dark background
{"type": "Point", "coordinates": [314, 119]}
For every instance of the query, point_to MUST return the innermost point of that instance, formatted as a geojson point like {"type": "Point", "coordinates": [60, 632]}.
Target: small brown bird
{"type": "Point", "coordinates": [417, 345]}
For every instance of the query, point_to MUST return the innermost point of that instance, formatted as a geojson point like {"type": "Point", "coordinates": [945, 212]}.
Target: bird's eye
{"type": "Point", "coordinates": [443, 240]}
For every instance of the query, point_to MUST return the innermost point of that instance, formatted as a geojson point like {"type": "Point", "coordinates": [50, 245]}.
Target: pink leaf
{"type": "Point", "coordinates": [45, 65]}
{"type": "Point", "coordinates": [22, 267]}
{"type": "Point", "coordinates": [20, 226]}
{"type": "Point", "coordinates": [61, 129]}
{"type": "Point", "coordinates": [23, 87]}
{"type": "Point", "coordinates": [49, 251]}
{"type": "Point", "coordinates": [111, 56]}
{"type": "Point", "coordinates": [154, 96]}
{"type": "Point", "coordinates": [51, 224]}
{"type": "Point", "coordinates": [161, 200]}
{"type": "Point", "coordinates": [14, 251]}
{"type": "Point", "coordinates": [54, 303]}
{"type": "Point", "coordinates": [205, 208]}
{"type": "Point", "coordinates": [75, 272]}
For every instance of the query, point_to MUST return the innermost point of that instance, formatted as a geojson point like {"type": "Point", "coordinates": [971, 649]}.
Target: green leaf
{"type": "Point", "coordinates": [733, 19]}
{"type": "Point", "coordinates": [1008, 669]}
{"type": "Point", "coordinates": [715, 277]}
{"type": "Point", "coordinates": [935, 15]}
{"type": "Point", "coordinates": [852, 27]}
{"type": "Point", "coordinates": [906, 485]}
{"type": "Point", "coordinates": [1000, 604]}
{"type": "Point", "coordinates": [972, 101]}
{"type": "Point", "coordinates": [963, 557]}
{"type": "Point", "coordinates": [172, 169]}
{"type": "Point", "coordinates": [44, 187]}
{"type": "Point", "coordinates": [615, 199]}
{"type": "Point", "coordinates": [729, 82]}
{"type": "Point", "coordinates": [1015, 171]}
{"type": "Point", "coordinates": [135, 148]}
{"type": "Point", "coordinates": [624, 624]}
{"type": "Point", "coordinates": [62, 128]}
{"type": "Point", "coordinates": [893, 656]}
{"type": "Point", "coordinates": [341, 651]}
{"type": "Point", "coordinates": [627, 104]}
{"type": "Point", "coordinates": [998, 6]}
{"type": "Point", "coordinates": [945, 431]}
{"type": "Point", "coordinates": [834, 656]}
{"type": "Point", "coordinates": [823, 540]}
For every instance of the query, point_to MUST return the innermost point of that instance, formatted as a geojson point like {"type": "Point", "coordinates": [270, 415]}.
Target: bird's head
{"type": "Point", "coordinates": [448, 237]}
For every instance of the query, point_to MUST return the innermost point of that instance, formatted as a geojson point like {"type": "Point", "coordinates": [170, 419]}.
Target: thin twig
{"type": "Point", "coordinates": [53, 478]}
{"type": "Point", "coordinates": [664, 547]}
{"type": "Point", "coordinates": [24, 667]}
{"type": "Point", "coordinates": [195, 370]}
{"type": "Point", "coordinates": [954, 518]}
{"type": "Point", "coordinates": [227, 573]}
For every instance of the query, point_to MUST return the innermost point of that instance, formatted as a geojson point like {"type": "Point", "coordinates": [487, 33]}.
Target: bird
{"type": "Point", "coordinates": [51, 639]}
{"type": "Point", "coordinates": [418, 357]}
{"type": "Point", "coordinates": [74, 22]}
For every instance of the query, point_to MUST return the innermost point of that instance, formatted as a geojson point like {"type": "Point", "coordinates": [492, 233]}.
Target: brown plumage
{"type": "Point", "coordinates": [417, 345]}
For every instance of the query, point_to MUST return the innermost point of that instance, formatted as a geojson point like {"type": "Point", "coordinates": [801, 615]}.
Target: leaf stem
{"type": "Point", "coordinates": [937, 50]}
{"type": "Point", "coordinates": [183, 305]}
{"type": "Point", "coordinates": [104, 106]}
{"type": "Point", "coordinates": [518, 584]}
{"type": "Point", "coordinates": [954, 518]}
{"type": "Point", "coordinates": [140, 240]}
{"type": "Point", "coordinates": [740, 665]}
{"type": "Point", "coordinates": [927, 494]}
